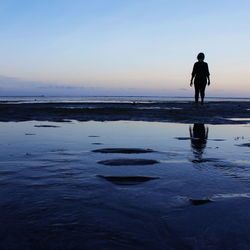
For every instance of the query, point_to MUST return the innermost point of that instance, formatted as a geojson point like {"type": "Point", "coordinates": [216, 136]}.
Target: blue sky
{"type": "Point", "coordinates": [146, 45]}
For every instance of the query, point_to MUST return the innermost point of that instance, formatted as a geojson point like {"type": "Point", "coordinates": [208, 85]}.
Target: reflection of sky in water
{"type": "Point", "coordinates": [113, 99]}
{"type": "Point", "coordinates": [239, 119]}
{"type": "Point", "coordinates": [20, 140]}
{"type": "Point", "coordinates": [166, 108]}
{"type": "Point", "coordinates": [48, 180]}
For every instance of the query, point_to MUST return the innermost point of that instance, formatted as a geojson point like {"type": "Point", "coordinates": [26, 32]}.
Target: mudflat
{"type": "Point", "coordinates": [185, 112]}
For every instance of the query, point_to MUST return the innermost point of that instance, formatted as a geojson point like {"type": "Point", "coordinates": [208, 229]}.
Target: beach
{"type": "Point", "coordinates": [217, 112]}
{"type": "Point", "coordinates": [124, 125]}
{"type": "Point", "coordinates": [125, 175]}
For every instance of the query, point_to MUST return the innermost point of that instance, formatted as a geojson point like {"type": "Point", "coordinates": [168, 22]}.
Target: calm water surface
{"type": "Point", "coordinates": [52, 198]}
{"type": "Point", "coordinates": [112, 99]}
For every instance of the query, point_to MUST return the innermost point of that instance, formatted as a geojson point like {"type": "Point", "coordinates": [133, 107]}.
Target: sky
{"type": "Point", "coordinates": [123, 47]}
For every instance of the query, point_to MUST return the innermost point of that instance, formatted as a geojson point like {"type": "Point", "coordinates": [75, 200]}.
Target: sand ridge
{"type": "Point", "coordinates": [186, 112]}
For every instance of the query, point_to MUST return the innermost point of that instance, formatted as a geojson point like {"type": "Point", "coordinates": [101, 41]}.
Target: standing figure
{"type": "Point", "coordinates": [200, 75]}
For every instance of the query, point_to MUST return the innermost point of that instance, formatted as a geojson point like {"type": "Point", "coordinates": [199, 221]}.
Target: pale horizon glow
{"type": "Point", "coordinates": [115, 47]}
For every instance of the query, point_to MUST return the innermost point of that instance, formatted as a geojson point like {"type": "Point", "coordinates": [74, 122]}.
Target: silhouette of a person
{"type": "Point", "coordinates": [200, 75]}
{"type": "Point", "coordinates": [198, 136]}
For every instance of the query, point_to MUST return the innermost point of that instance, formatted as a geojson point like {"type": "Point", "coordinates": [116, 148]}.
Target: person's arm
{"type": "Point", "coordinates": [193, 75]}
{"type": "Point", "coordinates": [208, 76]}
{"type": "Point", "coordinates": [191, 82]}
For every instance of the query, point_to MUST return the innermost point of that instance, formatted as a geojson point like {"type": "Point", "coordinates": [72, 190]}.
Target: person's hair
{"type": "Point", "coordinates": [201, 56]}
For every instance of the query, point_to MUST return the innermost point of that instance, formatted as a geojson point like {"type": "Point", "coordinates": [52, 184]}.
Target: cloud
{"type": "Point", "coordinates": [18, 87]}
{"type": "Point", "coordinates": [10, 86]}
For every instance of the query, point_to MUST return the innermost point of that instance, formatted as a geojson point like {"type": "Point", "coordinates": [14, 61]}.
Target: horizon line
{"type": "Point", "coordinates": [208, 97]}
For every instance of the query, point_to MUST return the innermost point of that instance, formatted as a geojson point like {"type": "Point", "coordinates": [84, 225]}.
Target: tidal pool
{"type": "Point", "coordinates": [52, 196]}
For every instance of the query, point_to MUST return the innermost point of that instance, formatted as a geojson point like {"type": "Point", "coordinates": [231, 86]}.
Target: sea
{"type": "Point", "coordinates": [113, 99]}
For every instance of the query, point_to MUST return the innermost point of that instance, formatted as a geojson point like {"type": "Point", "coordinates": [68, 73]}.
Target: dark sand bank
{"type": "Point", "coordinates": [125, 161]}
{"type": "Point", "coordinates": [128, 180]}
{"type": "Point", "coordinates": [123, 150]}
{"type": "Point", "coordinates": [210, 113]}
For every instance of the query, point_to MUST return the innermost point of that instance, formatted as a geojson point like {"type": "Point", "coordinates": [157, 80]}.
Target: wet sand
{"type": "Point", "coordinates": [162, 185]}
{"type": "Point", "coordinates": [209, 113]}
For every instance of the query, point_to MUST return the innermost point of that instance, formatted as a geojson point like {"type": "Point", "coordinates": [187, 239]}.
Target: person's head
{"type": "Point", "coordinates": [201, 57]}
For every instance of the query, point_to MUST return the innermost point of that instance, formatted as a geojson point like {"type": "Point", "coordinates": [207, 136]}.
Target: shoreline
{"type": "Point", "coordinates": [185, 112]}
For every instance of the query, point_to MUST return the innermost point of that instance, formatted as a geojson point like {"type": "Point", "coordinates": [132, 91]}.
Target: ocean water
{"type": "Point", "coordinates": [52, 195]}
{"type": "Point", "coordinates": [112, 99]}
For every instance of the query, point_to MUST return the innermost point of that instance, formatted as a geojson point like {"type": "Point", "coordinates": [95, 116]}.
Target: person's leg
{"type": "Point", "coordinates": [196, 87]}
{"type": "Point", "coordinates": [202, 92]}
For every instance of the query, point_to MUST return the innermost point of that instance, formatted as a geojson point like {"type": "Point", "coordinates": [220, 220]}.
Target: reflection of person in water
{"type": "Point", "coordinates": [198, 136]}
{"type": "Point", "coordinates": [200, 75]}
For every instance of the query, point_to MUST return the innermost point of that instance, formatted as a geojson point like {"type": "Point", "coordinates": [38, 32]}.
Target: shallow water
{"type": "Point", "coordinates": [111, 99]}
{"type": "Point", "coordinates": [53, 198]}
